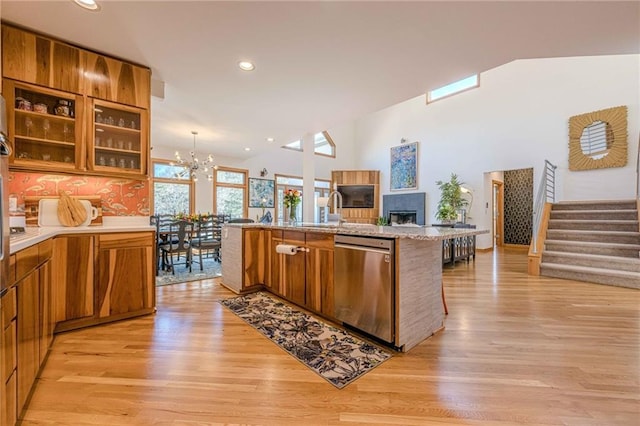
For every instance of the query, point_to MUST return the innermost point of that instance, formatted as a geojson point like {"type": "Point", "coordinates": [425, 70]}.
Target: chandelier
{"type": "Point", "coordinates": [193, 166]}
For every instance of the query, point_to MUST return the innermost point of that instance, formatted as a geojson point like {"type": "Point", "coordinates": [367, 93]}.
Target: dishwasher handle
{"type": "Point", "coordinates": [361, 248]}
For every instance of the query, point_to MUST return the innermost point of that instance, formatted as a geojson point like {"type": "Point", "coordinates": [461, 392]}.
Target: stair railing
{"type": "Point", "coordinates": [546, 193]}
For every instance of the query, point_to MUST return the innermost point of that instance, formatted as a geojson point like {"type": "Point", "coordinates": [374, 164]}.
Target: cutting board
{"type": "Point", "coordinates": [32, 206]}
{"type": "Point", "coordinates": [48, 212]}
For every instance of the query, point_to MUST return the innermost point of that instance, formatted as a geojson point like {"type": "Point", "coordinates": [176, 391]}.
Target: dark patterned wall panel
{"type": "Point", "coordinates": [518, 206]}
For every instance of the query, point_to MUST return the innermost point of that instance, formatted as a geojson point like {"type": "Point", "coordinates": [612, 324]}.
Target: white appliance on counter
{"type": "Point", "coordinates": [5, 151]}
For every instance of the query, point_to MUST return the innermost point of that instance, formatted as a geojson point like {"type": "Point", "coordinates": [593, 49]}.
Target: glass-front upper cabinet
{"type": "Point", "coordinates": [45, 126]}
{"type": "Point", "coordinates": [120, 138]}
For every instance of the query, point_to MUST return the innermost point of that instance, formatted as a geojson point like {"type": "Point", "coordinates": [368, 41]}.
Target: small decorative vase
{"type": "Point", "coordinates": [292, 215]}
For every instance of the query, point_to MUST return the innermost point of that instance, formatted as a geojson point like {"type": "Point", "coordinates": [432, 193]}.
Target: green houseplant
{"type": "Point", "coordinates": [450, 199]}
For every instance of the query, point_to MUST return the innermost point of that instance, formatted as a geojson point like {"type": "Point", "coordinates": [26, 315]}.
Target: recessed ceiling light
{"type": "Point", "coordinates": [88, 4]}
{"type": "Point", "coordinates": [270, 140]}
{"type": "Point", "coordinates": [247, 149]}
{"type": "Point", "coordinates": [246, 66]}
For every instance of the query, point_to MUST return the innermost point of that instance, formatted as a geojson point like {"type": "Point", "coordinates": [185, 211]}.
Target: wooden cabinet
{"type": "Point", "coordinates": [40, 60]}
{"type": "Point", "coordinates": [114, 80]}
{"type": "Point", "coordinates": [8, 401]}
{"type": "Point", "coordinates": [119, 138]}
{"type": "Point", "coordinates": [51, 87]}
{"type": "Point", "coordinates": [254, 253]}
{"type": "Point", "coordinates": [359, 177]}
{"type": "Point", "coordinates": [125, 282]}
{"type": "Point", "coordinates": [28, 334]}
{"type": "Point", "coordinates": [293, 269]}
{"type": "Point", "coordinates": [45, 126]}
{"type": "Point", "coordinates": [319, 273]}
{"type": "Point", "coordinates": [73, 271]}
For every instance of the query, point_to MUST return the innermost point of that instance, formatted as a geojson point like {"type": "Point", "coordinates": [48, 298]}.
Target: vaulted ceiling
{"type": "Point", "coordinates": [318, 64]}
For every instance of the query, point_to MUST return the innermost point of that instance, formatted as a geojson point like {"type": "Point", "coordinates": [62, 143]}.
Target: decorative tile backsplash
{"type": "Point", "coordinates": [120, 197]}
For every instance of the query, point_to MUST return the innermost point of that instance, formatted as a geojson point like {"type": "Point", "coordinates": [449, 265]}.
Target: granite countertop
{"type": "Point", "coordinates": [35, 234]}
{"type": "Point", "coordinates": [408, 232]}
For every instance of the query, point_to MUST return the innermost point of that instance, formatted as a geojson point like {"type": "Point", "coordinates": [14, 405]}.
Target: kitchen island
{"type": "Point", "coordinates": [251, 261]}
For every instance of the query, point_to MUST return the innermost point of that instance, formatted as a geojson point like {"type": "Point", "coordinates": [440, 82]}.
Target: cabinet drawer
{"type": "Point", "coordinates": [8, 307]}
{"type": "Point", "coordinates": [45, 249]}
{"type": "Point", "coordinates": [12, 270]}
{"type": "Point", "coordinates": [26, 261]}
{"type": "Point", "coordinates": [9, 350]}
{"type": "Point", "coordinates": [125, 240]}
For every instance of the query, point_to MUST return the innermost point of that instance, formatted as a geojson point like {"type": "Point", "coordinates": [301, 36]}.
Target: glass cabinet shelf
{"type": "Point", "coordinates": [119, 138]}
{"type": "Point", "coordinates": [43, 125]}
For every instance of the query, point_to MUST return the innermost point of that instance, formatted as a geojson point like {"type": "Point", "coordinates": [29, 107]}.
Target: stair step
{"type": "Point", "coordinates": [594, 214]}
{"type": "Point", "coordinates": [592, 260]}
{"type": "Point", "coordinates": [595, 225]}
{"type": "Point", "coordinates": [596, 205]}
{"type": "Point", "coordinates": [595, 275]}
{"type": "Point", "coordinates": [595, 236]}
{"type": "Point", "coordinates": [608, 249]}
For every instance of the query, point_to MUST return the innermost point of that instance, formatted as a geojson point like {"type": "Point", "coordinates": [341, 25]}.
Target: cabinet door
{"type": "Point", "coordinates": [39, 60]}
{"type": "Point", "coordinates": [47, 323]}
{"type": "Point", "coordinates": [45, 126]}
{"type": "Point", "coordinates": [293, 271]}
{"type": "Point", "coordinates": [254, 251]}
{"type": "Point", "coordinates": [276, 264]}
{"type": "Point", "coordinates": [118, 139]}
{"type": "Point", "coordinates": [319, 273]}
{"type": "Point", "coordinates": [117, 81]}
{"type": "Point", "coordinates": [126, 279]}
{"type": "Point", "coordinates": [28, 334]}
{"type": "Point", "coordinates": [10, 405]}
{"type": "Point", "coordinates": [72, 273]}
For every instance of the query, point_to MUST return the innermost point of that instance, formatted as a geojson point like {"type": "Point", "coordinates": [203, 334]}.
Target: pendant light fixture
{"type": "Point", "coordinates": [193, 166]}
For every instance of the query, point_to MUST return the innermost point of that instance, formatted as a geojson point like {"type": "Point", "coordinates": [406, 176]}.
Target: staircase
{"type": "Point", "coordinates": [594, 241]}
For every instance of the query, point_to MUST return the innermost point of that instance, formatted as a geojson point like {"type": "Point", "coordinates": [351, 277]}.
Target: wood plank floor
{"type": "Point", "coordinates": [515, 350]}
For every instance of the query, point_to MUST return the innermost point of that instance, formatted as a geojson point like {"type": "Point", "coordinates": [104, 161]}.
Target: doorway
{"type": "Point", "coordinates": [498, 212]}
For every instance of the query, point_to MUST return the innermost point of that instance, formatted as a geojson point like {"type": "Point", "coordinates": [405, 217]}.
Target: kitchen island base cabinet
{"type": "Point", "coordinates": [319, 273]}
{"type": "Point", "coordinates": [247, 268]}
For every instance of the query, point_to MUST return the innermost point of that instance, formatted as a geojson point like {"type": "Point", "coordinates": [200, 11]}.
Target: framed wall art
{"type": "Point", "coordinates": [261, 192]}
{"type": "Point", "coordinates": [404, 167]}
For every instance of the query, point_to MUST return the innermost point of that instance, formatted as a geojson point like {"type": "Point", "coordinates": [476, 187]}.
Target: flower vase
{"type": "Point", "coordinates": [292, 215]}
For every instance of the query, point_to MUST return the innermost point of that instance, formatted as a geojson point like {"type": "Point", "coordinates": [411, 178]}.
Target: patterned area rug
{"type": "Point", "coordinates": [210, 269]}
{"type": "Point", "coordinates": [335, 355]}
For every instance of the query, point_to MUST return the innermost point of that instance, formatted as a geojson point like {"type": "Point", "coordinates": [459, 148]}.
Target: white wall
{"type": "Point", "coordinates": [276, 161]}
{"type": "Point", "coordinates": [516, 119]}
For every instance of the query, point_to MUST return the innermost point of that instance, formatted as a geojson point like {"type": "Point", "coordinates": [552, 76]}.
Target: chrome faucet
{"type": "Point", "coordinates": [338, 207]}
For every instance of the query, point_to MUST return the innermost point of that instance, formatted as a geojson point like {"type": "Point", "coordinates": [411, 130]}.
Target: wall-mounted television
{"type": "Point", "coordinates": [357, 196]}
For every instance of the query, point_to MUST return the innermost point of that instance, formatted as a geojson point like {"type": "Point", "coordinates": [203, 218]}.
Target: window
{"type": "Point", "coordinates": [322, 145]}
{"type": "Point", "coordinates": [171, 194]}
{"type": "Point", "coordinates": [230, 192]}
{"type": "Point", "coordinates": [284, 183]}
{"type": "Point", "coordinates": [454, 88]}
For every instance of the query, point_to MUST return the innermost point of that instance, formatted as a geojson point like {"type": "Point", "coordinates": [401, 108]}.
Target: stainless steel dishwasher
{"type": "Point", "coordinates": [364, 284]}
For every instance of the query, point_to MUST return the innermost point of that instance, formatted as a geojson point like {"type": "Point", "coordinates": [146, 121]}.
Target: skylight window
{"type": "Point", "coordinates": [454, 88]}
{"type": "Point", "coordinates": [322, 145]}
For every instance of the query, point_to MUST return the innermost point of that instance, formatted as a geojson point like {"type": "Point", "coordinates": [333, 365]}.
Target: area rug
{"type": "Point", "coordinates": [210, 269]}
{"type": "Point", "coordinates": [334, 354]}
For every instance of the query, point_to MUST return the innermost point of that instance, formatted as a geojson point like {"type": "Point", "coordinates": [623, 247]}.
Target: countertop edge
{"type": "Point", "coordinates": [35, 235]}
{"type": "Point", "coordinates": [431, 233]}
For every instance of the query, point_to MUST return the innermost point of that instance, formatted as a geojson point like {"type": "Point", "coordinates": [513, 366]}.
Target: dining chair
{"type": "Point", "coordinates": [178, 234]}
{"type": "Point", "coordinates": [208, 240]}
{"type": "Point", "coordinates": [161, 223]}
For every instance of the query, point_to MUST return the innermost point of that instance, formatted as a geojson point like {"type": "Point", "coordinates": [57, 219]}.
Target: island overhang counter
{"type": "Point", "coordinates": [251, 262]}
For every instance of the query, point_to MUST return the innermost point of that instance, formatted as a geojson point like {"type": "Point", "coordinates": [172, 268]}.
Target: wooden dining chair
{"type": "Point", "coordinates": [208, 238]}
{"type": "Point", "coordinates": [177, 236]}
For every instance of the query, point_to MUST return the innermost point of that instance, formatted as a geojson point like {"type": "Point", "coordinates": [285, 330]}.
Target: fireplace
{"type": "Point", "coordinates": [402, 217]}
{"type": "Point", "coordinates": [407, 209]}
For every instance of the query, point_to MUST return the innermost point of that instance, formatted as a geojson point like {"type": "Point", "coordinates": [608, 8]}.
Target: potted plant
{"type": "Point", "coordinates": [450, 199]}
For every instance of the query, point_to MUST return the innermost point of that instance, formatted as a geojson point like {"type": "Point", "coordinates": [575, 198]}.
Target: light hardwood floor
{"type": "Point", "coordinates": [515, 350]}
